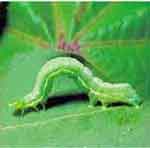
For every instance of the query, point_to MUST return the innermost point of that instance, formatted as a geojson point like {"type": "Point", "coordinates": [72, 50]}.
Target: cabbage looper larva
{"type": "Point", "coordinates": [97, 89]}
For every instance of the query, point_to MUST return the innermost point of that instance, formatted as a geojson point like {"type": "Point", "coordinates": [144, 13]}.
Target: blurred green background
{"type": "Point", "coordinates": [114, 40]}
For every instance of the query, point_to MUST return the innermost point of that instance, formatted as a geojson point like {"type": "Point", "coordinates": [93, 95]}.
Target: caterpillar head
{"type": "Point", "coordinates": [134, 99]}
{"type": "Point", "coordinates": [18, 105]}
{"type": "Point", "coordinates": [130, 94]}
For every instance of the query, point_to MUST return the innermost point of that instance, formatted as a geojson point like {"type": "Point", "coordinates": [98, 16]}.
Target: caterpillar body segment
{"type": "Point", "coordinates": [108, 93]}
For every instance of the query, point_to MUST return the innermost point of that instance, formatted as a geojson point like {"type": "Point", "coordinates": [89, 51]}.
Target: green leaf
{"type": "Point", "coordinates": [114, 40]}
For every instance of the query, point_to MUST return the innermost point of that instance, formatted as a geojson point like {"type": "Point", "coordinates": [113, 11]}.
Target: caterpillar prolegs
{"type": "Point", "coordinates": [97, 89]}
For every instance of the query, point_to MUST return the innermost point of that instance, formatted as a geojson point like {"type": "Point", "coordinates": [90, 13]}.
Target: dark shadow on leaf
{"type": "Point", "coordinates": [55, 101]}
{"type": "Point", "coordinates": [52, 102]}
{"type": "Point", "coordinates": [116, 104]}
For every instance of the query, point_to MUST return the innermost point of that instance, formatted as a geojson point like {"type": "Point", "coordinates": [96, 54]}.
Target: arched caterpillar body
{"type": "Point", "coordinates": [96, 89]}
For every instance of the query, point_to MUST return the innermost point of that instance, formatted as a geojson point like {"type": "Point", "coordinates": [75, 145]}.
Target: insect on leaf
{"type": "Point", "coordinates": [112, 39]}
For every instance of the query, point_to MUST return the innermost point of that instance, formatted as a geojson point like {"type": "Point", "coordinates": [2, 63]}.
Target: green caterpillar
{"type": "Point", "coordinates": [96, 89]}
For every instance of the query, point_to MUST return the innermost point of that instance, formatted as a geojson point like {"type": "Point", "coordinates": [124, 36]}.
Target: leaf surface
{"type": "Point", "coordinates": [114, 39]}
